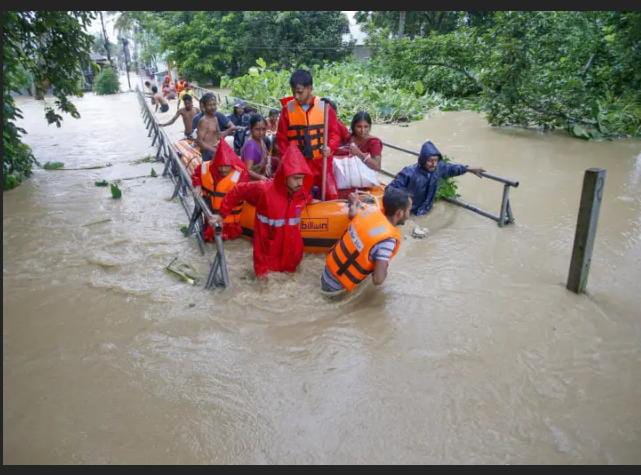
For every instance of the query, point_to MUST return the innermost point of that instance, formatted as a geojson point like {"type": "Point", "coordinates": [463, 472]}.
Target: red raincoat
{"type": "Point", "coordinates": [225, 155]}
{"type": "Point", "coordinates": [278, 243]}
{"type": "Point", "coordinates": [316, 166]}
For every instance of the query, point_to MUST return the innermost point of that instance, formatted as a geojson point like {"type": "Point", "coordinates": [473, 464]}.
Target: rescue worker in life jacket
{"type": "Point", "coordinates": [302, 122]}
{"type": "Point", "coordinates": [370, 242]}
{"type": "Point", "coordinates": [213, 180]}
{"type": "Point", "coordinates": [278, 243]}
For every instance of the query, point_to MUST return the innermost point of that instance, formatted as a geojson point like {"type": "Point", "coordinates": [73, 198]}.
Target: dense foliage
{"type": "Point", "coordinates": [352, 85]}
{"type": "Point", "coordinates": [107, 82]}
{"type": "Point", "coordinates": [573, 70]}
{"type": "Point", "coordinates": [206, 45]}
{"type": "Point", "coordinates": [50, 48]}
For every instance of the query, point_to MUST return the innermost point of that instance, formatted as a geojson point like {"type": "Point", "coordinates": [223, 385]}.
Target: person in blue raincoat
{"type": "Point", "coordinates": [422, 179]}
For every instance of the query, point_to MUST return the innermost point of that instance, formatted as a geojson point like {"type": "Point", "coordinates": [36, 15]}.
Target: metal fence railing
{"type": "Point", "coordinates": [197, 210]}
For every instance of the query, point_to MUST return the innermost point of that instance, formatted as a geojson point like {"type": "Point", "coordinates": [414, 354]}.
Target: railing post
{"type": "Point", "coordinates": [504, 203]}
{"type": "Point", "coordinates": [590, 205]}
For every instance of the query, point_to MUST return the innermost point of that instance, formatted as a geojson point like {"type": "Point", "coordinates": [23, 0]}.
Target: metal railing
{"type": "Point", "coordinates": [200, 213]}
{"type": "Point", "coordinates": [505, 215]}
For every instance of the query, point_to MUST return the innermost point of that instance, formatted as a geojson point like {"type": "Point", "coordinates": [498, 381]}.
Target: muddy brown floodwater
{"type": "Point", "coordinates": [472, 351]}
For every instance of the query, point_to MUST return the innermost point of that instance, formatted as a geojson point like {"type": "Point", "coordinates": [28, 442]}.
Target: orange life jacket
{"type": "Point", "coordinates": [222, 188]}
{"type": "Point", "coordinates": [307, 128]}
{"type": "Point", "coordinates": [349, 260]}
{"type": "Point", "coordinates": [207, 179]}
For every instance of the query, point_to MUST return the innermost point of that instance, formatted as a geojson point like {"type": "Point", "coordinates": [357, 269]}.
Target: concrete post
{"type": "Point", "coordinates": [591, 195]}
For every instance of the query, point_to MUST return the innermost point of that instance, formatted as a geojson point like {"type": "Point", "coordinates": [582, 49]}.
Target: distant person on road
{"type": "Point", "coordinates": [159, 100]}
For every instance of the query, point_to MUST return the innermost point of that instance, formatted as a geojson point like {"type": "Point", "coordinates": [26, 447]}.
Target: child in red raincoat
{"type": "Point", "coordinates": [214, 179]}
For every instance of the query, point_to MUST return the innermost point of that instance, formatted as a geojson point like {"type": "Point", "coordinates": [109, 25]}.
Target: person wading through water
{"type": "Point", "coordinates": [421, 180]}
{"type": "Point", "coordinates": [188, 112]}
{"type": "Point", "coordinates": [368, 245]}
{"type": "Point", "coordinates": [277, 241]}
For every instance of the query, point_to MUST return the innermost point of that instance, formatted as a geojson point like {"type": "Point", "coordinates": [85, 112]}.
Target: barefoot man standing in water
{"type": "Point", "coordinates": [208, 131]}
{"type": "Point", "coordinates": [188, 113]}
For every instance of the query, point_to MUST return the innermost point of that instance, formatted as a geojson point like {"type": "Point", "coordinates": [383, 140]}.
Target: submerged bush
{"type": "Point", "coordinates": [352, 86]}
{"type": "Point", "coordinates": [107, 82]}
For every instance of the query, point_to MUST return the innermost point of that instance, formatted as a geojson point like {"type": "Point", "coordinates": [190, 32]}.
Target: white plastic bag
{"type": "Point", "coordinates": [351, 172]}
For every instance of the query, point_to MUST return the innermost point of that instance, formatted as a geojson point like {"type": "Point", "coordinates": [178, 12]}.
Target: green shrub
{"type": "Point", "coordinates": [352, 85]}
{"type": "Point", "coordinates": [107, 82]}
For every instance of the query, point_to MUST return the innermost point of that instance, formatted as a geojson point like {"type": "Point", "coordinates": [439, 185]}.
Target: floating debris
{"type": "Point", "coordinates": [115, 192]}
{"type": "Point", "coordinates": [419, 233]}
{"type": "Point", "coordinates": [184, 229]}
{"type": "Point", "coordinates": [147, 159]}
{"type": "Point", "coordinates": [183, 271]}
{"type": "Point", "coordinates": [98, 222]}
{"type": "Point", "coordinates": [53, 165]}
{"type": "Point", "coordinates": [153, 173]}
{"type": "Point", "coordinates": [101, 183]}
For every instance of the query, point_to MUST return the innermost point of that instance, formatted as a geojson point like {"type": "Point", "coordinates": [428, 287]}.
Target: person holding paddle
{"type": "Point", "coordinates": [312, 125]}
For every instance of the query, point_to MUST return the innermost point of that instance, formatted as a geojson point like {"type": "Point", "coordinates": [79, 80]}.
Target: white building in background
{"type": "Point", "coordinates": [361, 51]}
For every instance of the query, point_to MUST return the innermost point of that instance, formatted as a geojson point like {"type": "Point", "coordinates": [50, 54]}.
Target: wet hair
{"type": "Point", "coordinates": [208, 96]}
{"type": "Point", "coordinates": [154, 89]}
{"type": "Point", "coordinates": [147, 83]}
{"type": "Point", "coordinates": [187, 97]}
{"type": "Point", "coordinates": [273, 112]}
{"type": "Point", "coordinates": [330, 102]}
{"type": "Point", "coordinates": [254, 119]}
{"type": "Point", "coordinates": [395, 199]}
{"type": "Point", "coordinates": [300, 77]}
{"type": "Point", "coordinates": [359, 117]}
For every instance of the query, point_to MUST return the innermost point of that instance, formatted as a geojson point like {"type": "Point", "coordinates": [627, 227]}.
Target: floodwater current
{"type": "Point", "coordinates": [472, 351]}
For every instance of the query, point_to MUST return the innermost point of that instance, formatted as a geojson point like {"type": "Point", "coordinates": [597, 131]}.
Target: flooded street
{"type": "Point", "coordinates": [472, 351]}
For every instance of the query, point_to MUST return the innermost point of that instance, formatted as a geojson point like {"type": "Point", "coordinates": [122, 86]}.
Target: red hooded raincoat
{"type": "Point", "coordinates": [278, 243]}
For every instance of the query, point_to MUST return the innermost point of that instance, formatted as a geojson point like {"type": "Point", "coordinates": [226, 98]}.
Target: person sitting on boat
{"type": "Point", "coordinates": [209, 131]}
{"type": "Point", "coordinates": [237, 113]}
{"type": "Point", "coordinates": [302, 122]}
{"type": "Point", "coordinates": [343, 131]}
{"type": "Point", "coordinates": [272, 121]}
{"type": "Point", "coordinates": [277, 241]}
{"type": "Point", "coordinates": [158, 99]}
{"type": "Point", "coordinates": [213, 180]}
{"type": "Point", "coordinates": [254, 152]}
{"type": "Point", "coordinates": [368, 245]}
{"type": "Point", "coordinates": [272, 129]}
{"type": "Point", "coordinates": [223, 121]}
{"type": "Point", "coordinates": [361, 144]}
{"type": "Point", "coordinates": [421, 180]}
{"type": "Point", "coordinates": [188, 112]}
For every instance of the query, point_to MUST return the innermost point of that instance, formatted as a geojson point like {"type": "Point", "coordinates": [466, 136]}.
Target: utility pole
{"type": "Point", "coordinates": [125, 47]}
{"type": "Point", "coordinates": [401, 24]}
{"type": "Point", "coordinates": [104, 35]}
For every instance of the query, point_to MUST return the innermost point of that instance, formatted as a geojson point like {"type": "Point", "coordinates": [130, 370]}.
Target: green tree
{"type": "Point", "coordinates": [573, 70]}
{"type": "Point", "coordinates": [209, 44]}
{"type": "Point", "coordinates": [416, 23]}
{"type": "Point", "coordinates": [52, 47]}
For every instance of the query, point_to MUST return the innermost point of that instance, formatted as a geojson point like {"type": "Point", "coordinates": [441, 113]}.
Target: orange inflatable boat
{"type": "Point", "coordinates": [322, 224]}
